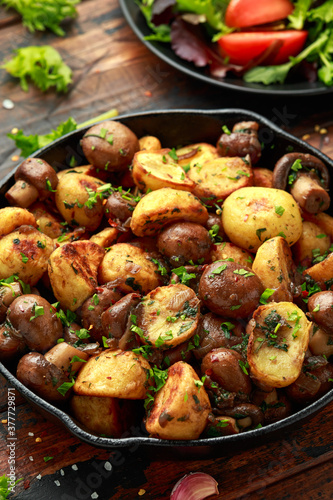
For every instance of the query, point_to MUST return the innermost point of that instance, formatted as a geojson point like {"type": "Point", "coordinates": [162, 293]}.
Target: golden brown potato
{"type": "Point", "coordinates": [73, 272]}
{"type": "Point", "coordinates": [157, 169]}
{"type": "Point", "coordinates": [181, 407]}
{"type": "Point", "coordinates": [106, 237]}
{"type": "Point", "coordinates": [227, 251]}
{"type": "Point", "coordinates": [277, 344]}
{"type": "Point", "coordinates": [25, 252]}
{"type": "Point", "coordinates": [13, 217]}
{"type": "Point", "coordinates": [262, 177]}
{"type": "Point", "coordinates": [129, 268]}
{"type": "Point", "coordinates": [82, 169]}
{"type": "Point", "coordinates": [215, 180]}
{"type": "Point", "coordinates": [79, 201]}
{"type": "Point", "coordinates": [196, 154]}
{"type": "Point", "coordinates": [321, 272]}
{"type": "Point", "coordinates": [323, 220]}
{"type": "Point", "coordinates": [274, 265]}
{"type": "Point", "coordinates": [162, 206]}
{"type": "Point", "coordinates": [114, 373]}
{"type": "Point", "coordinates": [47, 222]}
{"type": "Point", "coordinates": [168, 316]}
{"type": "Point", "coordinates": [111, 417]}
{"type": "Point", "coordinates": [252, 215]}
{"type": "Point", "coordinates": [312, 238]}
{"type": "Point", "coordinates": [149, 142]}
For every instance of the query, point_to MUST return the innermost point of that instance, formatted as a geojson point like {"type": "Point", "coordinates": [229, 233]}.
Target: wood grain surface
{"type": "Point", "coordinates": [113, 69]}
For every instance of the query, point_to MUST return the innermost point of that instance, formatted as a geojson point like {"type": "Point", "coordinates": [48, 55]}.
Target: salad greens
{"type": "Point", "coordinates": [42, 15]}
{"type": "Point", "coordinates": [5, 487]}
{"type": "Point", "coordinates": [43, 65]}
{"type": "Point", "coordinates": [209, 14]}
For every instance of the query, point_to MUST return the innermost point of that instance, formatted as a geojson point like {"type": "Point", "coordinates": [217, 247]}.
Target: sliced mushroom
{"type": "Point", "coordinates": [35, 179]}
{"type": "Point", "coordinates": [309, 185]}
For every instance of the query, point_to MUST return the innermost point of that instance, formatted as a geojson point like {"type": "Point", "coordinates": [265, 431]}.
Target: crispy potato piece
{"type": "Point", "coordinates": [157, 169]}
{"type": "Point", "coordinates": [194, 154]}
{"type": "Point", "coordinates": [252, 215]}
{"type": "Point", "coordinates": [106, 237]}
{"type": "Point", "coordinates": [321, 272]}
{"type": "Point", "coordinates": [168, 316]}
{"type": "Point", "coordinates": [25, 252]}
{"type": "Point", "coordinates": [309, 240]}
{"type": "Point", "coordinates": [262, 177]}
{"type": "Point", "coordinates": [82, 169]}
{"type": "Point", "coordinates": [129, 268]}
{"type": "Point", "coordinates": [160, 207]}
{"type": "Point", "coordinates": [77, 199]}
{"type": "Point", "coordinates": [181, 407]}
{"type": "Point", "coordinates": [323, 220]}
{"type": "Point", "coordinates": [73, 272]}
{"type": "Point", "coordinates": [13, 217]}
{"type": "Point", "coordinates": [149, 142]}
{"type": "Point", "coordinates": [278, 341]}
{"type": "Point", "coordinates": [274, 265]}
{"type": "Point", "coordinates": [114, 373]}
{"type": "Point", "coordinates": [109, 416]}
{"type": "Point", "coordinates": [217, 179]}
{"type": "Point", "coordinates": [227, 250]}
{"type": "Point", "coordinates": [47, 223]}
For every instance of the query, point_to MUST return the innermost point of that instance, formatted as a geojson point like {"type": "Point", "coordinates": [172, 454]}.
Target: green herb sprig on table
{"type": "Point", "coordinates": [48, 14]}
{"type": "Point", "coordinates": [42, 65]}
{"type": "Point", "coordinates": [28, 144]}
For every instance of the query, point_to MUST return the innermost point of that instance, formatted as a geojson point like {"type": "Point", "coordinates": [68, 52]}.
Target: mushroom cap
{"type": "Point", "coordinates": [309, 162]}
{"type": "Point", "coordinates": [37, 172]}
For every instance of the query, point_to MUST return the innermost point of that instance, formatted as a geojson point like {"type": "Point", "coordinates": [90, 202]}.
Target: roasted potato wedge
{"type": "Point", "coordinates": [181, 407]}
{"type": "Point", "coordinates": [228, 251]}
{"type": "Point", "coordinates": [47, 222]}
{"type": "Point", "coordinates": [111, 417]}
{"type": "Point", "coordinates": [320, 343]}
{"type": "Point", "coordinates": [157, 169]}
{"type": "Point", "coordinates": [129, 268]}
{"type": "Point", "coordinates": [216, 179]}
{"type": "Point", "coordinates": [106, 237]}
{"type": "Point", "coordinates": [196, 154]}
{"type": "Point", "coordinates": [168, 316]}
{"type": "Point", "coordinates": [278, 341]}
{"type": "Point", "coordinates": [162, 206]}
{"type": "Point", "coordinates": [274, 265]}
{"type": "Point", "coordinates": [323, 220]}
{"type": "Point", "coordinates": [321, 272]}
{"type": "Point", "coordinates": [114, 373]}
{"type": "Point", "coordinates": [25, 252]}
{"type": "Point", "coordinates": [252, 215]}
{"type": "Point", "coordinates": [262, 177]}
{"type": "Point", "coordinates": [79, 201]}
{"type": "Point", "coordinates": [72, 271]}
{"type": "Point", "coordinates": [313, 242]}
{"type": "Point", "coordinates": [149, 142]}
{"type": "Point", "coordinates": [13, 217]}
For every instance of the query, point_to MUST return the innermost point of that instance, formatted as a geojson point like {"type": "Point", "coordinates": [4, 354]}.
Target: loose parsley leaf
{"type": "Point", "coordinates": [38, 16]}
{"type": "Point", "coordinates": [43, 65]}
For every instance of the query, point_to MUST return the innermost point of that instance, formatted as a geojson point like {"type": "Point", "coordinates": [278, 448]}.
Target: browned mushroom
{"type": "Point", "coordinates": [35, 179]}
{"type": "Point", "coordinates": [241, 142]}
{"type": "Point", "coordinates": [119, 207]}
{"type": "Point", "coordinates": [246, 414]}
{"type": "Point", "coordinates": [36, 320]}
{"type": "Point", "coordinates": [11, 343]}
{"type": "Point", "coordinates": [308, 179]}
{"type": "Point", "coordinates": [49, 376]}
{"type": "Point", "coordinates": [320, 307]}
{"type": "Point", "coordinates": [114, 320]}
{"type": "Point", "coordinates": [8, 293]}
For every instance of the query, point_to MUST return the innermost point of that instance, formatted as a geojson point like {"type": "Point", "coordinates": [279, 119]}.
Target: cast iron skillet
{"type": "Point", "coordinates": [137, 22]}
{"type": "Point", "coordinates": [174, 128]}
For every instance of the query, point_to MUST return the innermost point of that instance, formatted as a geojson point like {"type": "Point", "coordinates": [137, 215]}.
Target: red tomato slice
{"type": "Point", "coordinates": [242, 13]}
{"type": "Point", "coordinates": [242, 47]}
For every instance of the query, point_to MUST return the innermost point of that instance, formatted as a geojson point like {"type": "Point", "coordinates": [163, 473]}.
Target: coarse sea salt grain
{"type": "Point", "coordinates": [94, 495]}
{"type": "Point", "coordinates": [56, 482]}
{"type": "Point", "coordinates": [8, 104]}
{"type": "Point", "coordinates": [39, 477]}
{"type": "Point", "coordinates": [31, 458]}
{"type": "Point", "coordinates": [62, 472]}
{"type": "Point", "coordinates": [31, 434]}
{"type": "Point", "coordinates": [75, 467]}
{"type": "Point", "coordinates": [107, 466]}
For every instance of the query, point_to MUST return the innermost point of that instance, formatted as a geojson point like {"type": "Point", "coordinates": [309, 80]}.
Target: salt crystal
{"type": "Point", "coordinates": [39, 477]}
{"type": "Point", "coordinates": [56, 482]}
{"type": "Point", "coordinates": [31, 434]}
{"type": "Point", "coordinates": [31, 458]}
{"type": "Point", "coordinates": [107, 466]}
{"type": "Point", "coordinates": [62, 472]}
{"type": "Point", "coordinates": [94, 495]}
{"type": "Point", "coordinates": [75, 467]}
{"type": "Point", "coordinates": [7, 104]}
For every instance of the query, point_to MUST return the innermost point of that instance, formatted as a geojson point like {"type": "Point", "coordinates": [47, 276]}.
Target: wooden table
{"type": "Point", "coordinates": [112, 69]}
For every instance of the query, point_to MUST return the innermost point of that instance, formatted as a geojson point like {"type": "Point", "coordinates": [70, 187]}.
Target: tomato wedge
{"type": "Point", "coordinates": [243, 13]}
{"type": "Point", "coordinates": [242, 47]}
